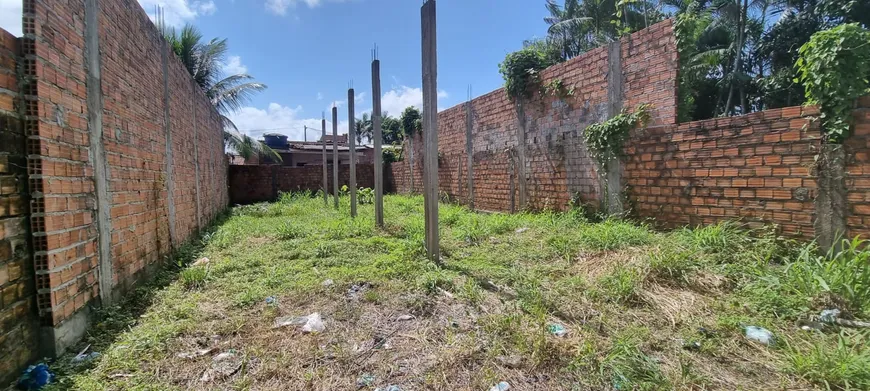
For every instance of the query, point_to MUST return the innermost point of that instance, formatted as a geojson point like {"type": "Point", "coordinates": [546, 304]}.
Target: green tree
{"type": "Point", "coordinates": [411, 121]}
{"type": "Point", "coordinates": [392, 130]}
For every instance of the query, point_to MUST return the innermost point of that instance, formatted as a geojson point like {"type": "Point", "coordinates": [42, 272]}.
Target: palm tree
{"type": "Point", "coordinates": [364, 128]}
{"type": "Point", "coordinates": [204, 62]}
{"type": "Point", "coordinates": [247, 147]}
{"type": "Point", "coordinates": [579, 26]}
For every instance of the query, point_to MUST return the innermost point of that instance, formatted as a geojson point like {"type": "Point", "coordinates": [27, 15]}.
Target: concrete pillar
{"type": "Point", "coordinates": [196, 157]}
{"type": "Point", "coordinates": [411, 163]}
{"type": "Point", "coordinates": [469, 152]}
{"type": "Point", "coordinates": [351, 141]}
{"type": "Point", "coordinates": [325, 167]}
{"type": "Point", "coordinates": [97, 152]}
{"type": "Point", "coordinates": [611, 177]}
{"type": "Point", "coordinates": [335, 155]}
{"type": "Point", "coordinates": [830, 204]}
{"type": "Point", "coordinates": [170, 183]}
{"type": "Point", "coordinates": [521, 153]}
{"type": "Point", "coordinates": [430, 128]}
{"type": "Point", "coordinates": [379, 137]}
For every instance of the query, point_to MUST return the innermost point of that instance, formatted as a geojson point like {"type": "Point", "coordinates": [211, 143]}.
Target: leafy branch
{"type": "Point", "coordinates": [834, 66]}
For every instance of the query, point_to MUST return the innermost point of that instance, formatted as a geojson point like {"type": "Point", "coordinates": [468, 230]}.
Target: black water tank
{"type": "Point", "coordinates": [275, 140]}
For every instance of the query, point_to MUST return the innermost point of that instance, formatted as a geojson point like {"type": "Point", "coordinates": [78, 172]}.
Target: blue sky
{"type": "Point", "coordinates": [308, 51]}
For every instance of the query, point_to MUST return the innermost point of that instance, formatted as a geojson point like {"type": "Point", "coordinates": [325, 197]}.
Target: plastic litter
{"type": "Point", "coordinates": [290, 321]}
{"type": "Point", "coordinates": [829, 316]}
{"type": "Point", "coordinates": [692, 345]}
{"type": "Point", "coordinates": [521, 230]}
{"type": "Point", "coordinates": [314, 324]}
{"type": "Point", "coordinates": [82, 357]}
{"type": "Point", "coordinates": [194, 354]}
{"type": "Point", "coordinates": [759, 334]}
{"type": "Point", "coordinates": [391, 387]}
{"type": "Point", "coordinates": [403, 318]}
{"type": "Point", "coordinates": [200, 262]}
{"type": "Point", "coordinates": [557, 330]}
{"type": "Point", "coordinates": [501, 386]}
{"type": "Point", "coordinates": [271, 300]}
{"type": "Point", "coordinates": [223, 366]}
{"type": "Point", "coordinates": [365, 380]}
{"type": "Point", "coordinates": [310, 324]}
{"type": "Point", "coordinates": [35, 377]}
{"type": "Point", "coordinates": [356, 290]}
{"type": "Point", "coordinates": [327, 282]}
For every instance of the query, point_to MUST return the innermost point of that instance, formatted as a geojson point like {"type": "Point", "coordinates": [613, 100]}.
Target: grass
{"type": "Point", "coordinates": [644, 310]}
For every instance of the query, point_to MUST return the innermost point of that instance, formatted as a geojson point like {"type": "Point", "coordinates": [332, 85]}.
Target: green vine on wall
{"type": "Point", "coordinates": [834, 67]}
{"type": "Point", "coordinates": [557, 88]}
{"type": "Point", "coordinates": [604, 140]}
{"type": "Point", "coordinates": [521, 70]}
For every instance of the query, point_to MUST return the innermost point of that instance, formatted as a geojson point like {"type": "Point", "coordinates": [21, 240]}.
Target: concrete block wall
{"type": "Point", "coordinates": [125, 156]}
{"type": "Point", "coordinates": [18, 326]}
{"type": "Point", "coordinates": [250, 183]}
{"type": "Point", "coordinates": [557, 166]}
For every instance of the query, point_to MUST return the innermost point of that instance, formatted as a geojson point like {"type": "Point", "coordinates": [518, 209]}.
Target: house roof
{"type": "Point", "coordinates": [316, 146]}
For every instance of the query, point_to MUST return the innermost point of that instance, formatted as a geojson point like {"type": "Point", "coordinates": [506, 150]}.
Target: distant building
{"type": "Point", "coordinates": [300, 153]}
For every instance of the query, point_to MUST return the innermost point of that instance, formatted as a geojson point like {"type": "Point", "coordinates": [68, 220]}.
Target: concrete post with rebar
{"type": "Point", "coordinates": [378, 134]}
{"type": "Point", "coordinates": [325, 166]}
{"type": "Point", "coordinates": [335, 155]}
{"type": "Point", "coordinates": [351, 142]}
{"type": "Point", "coordinates": [430, 128]}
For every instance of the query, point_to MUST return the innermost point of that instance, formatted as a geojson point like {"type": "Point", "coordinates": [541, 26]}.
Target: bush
{"type": "Point", "coordinates": [834, 67]}
{"type": "Point", "coordinates": [521, 70]}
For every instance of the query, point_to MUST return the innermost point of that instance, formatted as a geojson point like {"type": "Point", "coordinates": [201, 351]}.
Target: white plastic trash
{"type": "Point", "coordinates": [759, 334]}
{"type": "Point", "coordinates": [314, 324]}
{"type": "Point", "coordinates": [501, 386]}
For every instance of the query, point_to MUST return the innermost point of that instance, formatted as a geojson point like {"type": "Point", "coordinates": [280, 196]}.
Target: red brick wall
{"type": "Point", "coordinates": [557, 164]}
{"type": "Point", "coordinates": [17, 292]}
{"type": "Point", "coordinates": [262, 183]}
{"type": "Point", "coordinates": [858, 172]}
{"type": "Point", "coordinates": [757, 168]}
{"type": "Point", "coordinates": [62, 173]}
{"type": "Point", "coordinates": [399, 177]}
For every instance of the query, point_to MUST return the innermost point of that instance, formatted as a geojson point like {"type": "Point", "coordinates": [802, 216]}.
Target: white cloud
{"type": "Point", "coordinates": [396, 100]}
{"type": "Point", "coordinates": [234, 66]}
{"type": "Point", "coordinates": [319, 96]}
{"type": "Point", "coordinates": [11, 12]}
{"type": "Point", "coordinates": [207, 7]}
{"type": "Point", "coordinates": [279, 7]}
{"type": "Point", "coordinates": [178, 12]}
{"type": "Point", "coordinates": [281, 119]}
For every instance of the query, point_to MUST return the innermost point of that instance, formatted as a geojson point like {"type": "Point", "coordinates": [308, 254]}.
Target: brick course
{"type": "Point", "coordinates": [17, 293]}
{"type": "Point", "coordinates": [757, 168]}
{"type": "Point", "coordinates": [258, 183]}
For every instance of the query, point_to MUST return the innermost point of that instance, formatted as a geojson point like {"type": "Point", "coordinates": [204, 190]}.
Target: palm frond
{"type": "Point", "coordinates": [231, 93]}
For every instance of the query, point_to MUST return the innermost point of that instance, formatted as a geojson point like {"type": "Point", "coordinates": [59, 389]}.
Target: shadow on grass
{"type": "Point", "coordinates": [108, 323]}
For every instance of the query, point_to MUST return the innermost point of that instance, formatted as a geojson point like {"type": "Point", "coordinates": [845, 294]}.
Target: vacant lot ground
{"type": "Point", "coordinates": [641, 310]}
